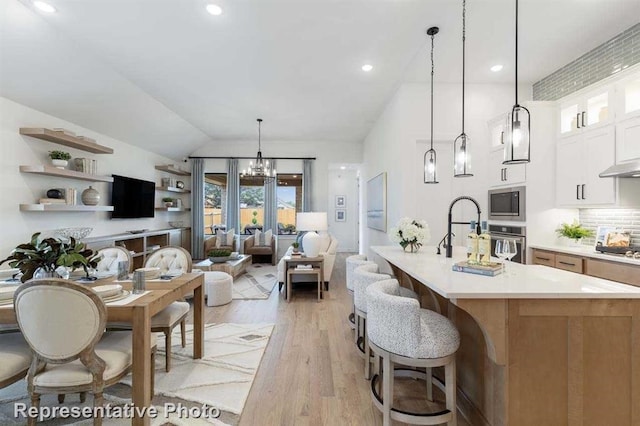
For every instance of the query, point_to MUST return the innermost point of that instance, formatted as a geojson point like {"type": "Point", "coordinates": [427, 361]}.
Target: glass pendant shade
{"type": "Point", "coordinates": [461, 167]}
{"type": "Point", "coordinates": [430, 163]}
{"type": "Point", "coordinates": [517, 150]}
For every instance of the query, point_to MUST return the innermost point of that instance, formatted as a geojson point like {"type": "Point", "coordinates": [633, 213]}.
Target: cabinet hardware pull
{"type": "Point", "coordinates": [583, 197]}
{"type": "Point", "coordinates": [577, 192]}
{"type": "Point", "coordinates": [567, 263]}
{"type": "Point", "coordinates": [577, 120]}
{"type": "Point", "coordinates": [505, 174]}
{"type": "Point", "coordinates": [502, 138]}
{"type": "Point", "coordinates": [583, 125]}
{"type": "Point", "coordinates": [543, 258]}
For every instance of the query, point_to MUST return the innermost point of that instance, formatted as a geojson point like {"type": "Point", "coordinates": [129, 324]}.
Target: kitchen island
{"type": "Point", "coordinates": [541, 346]}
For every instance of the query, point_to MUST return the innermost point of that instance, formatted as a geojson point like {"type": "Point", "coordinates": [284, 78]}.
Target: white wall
{"type": "Point", "coordinates": [325, 153]}
{"type": "Point", "coordinates": [394, 145]}
{"type": "Point", "coordinates": [344, 183]}
{"type": "Point", "coordinates": [16, 227]}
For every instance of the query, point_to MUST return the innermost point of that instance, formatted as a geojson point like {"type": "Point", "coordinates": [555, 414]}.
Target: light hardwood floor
{"type": "Point", "coordinates": [311, 373]}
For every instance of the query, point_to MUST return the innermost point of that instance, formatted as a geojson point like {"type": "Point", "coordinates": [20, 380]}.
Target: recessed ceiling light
{"type": "Point", "coordinates": [45, 7]}
{"type": "Point", "coordinates": [295, 176]}
{"type": "Point", "coordinates": [496, 68]}
{"type": "Point", "coordinates": [343, 168]}
{"type": "Point", "coordinates": [214, 9]}
{"type": "Point", "coordinates": [367, 67]}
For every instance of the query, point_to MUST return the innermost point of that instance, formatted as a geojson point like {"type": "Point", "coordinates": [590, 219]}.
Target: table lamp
{"type": "Point", "coordinates": [311, 222]}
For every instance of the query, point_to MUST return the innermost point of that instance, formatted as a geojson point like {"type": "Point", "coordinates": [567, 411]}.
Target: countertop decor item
{"type": "Point", "coordinates": [49, 254]}
{"type": "Point", "coordinates": [219, 256]}
{"type": "Point", "coordinates": [517, 150]}
{"type": "Point", "coordinates": [461, 167]}
{"type": "Point", "coordinates": [90, 197]}
{"type": "Point", "coordinates": [168, 201]}
{"type": "Point", "coordinates": [411, 234]}
{"type": "Point", "coordinates": [574, 232]}
{"type": "Point", "coordinates": [430, 163]}
{"type": "Point", "coordinates": [77, 232]}
{"type": "Point", "coordinates": [59, 159]}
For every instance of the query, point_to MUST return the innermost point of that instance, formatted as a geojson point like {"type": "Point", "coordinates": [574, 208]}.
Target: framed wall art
{"type": "Point", "coordinates": [341, 215]}
{"type": "Point", "coordinates": [341, 201]}
{"type": "Point", "coordinates": [377, 202]}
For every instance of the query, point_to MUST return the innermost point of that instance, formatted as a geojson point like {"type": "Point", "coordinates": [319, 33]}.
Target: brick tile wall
{"type": "Point", "coordinates": [611, 57]}
{"type": "Point", "coordinates": [625, 219]}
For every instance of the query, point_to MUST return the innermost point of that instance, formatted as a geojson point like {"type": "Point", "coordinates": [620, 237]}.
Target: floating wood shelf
{"type": "Point", "coordinates": [169, 168]}
{"type": "Point", "coordinates": [71, 174]}
{"type": "Point", "coordinates": [172, 209]}
{"type": "Point", "coordinates": [67, 140]}
{"type": "Point", "coordinates": [63, 208]}
{"type": "Point", "coordinates": [172, 189]}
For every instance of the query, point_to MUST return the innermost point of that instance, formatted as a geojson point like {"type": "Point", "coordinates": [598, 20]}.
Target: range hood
{"type": "Point", "coordinates": [624, 170]}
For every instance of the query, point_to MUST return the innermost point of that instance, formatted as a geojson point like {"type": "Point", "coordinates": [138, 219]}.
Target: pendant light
{"type": "Point", "coordinates": [518, 148]}
{"type": "Point", "coordinates": [461, 166]}
{"type": "Point", "coordinates": [261, 171]}
{"type": "Point", "coordinates": [430, 163]}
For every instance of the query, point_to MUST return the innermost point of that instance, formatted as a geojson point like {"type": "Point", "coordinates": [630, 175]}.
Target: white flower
{"type": "Point", "coordinates": [409, 230]}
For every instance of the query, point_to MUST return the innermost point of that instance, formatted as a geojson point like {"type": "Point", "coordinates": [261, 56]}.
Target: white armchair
{"type": "Point", "coordinates": [328, 251]}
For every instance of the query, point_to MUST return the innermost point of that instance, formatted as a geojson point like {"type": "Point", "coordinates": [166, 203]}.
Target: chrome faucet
{"type": "Point", "coordinates": [449, 246]}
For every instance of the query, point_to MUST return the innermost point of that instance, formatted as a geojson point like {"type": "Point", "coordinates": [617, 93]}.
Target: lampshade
{"type": "Point", "coordinates": [312, 221]}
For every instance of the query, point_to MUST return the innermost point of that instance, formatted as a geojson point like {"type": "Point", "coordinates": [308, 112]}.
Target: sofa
{"type": "Point", "coordinates": [257, 252]}
{"type": "Point", "coordinates": [328, 251]}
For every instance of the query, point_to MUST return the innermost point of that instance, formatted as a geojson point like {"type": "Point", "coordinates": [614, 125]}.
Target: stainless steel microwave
{"type": "Point", "coordinates": [507, 203]}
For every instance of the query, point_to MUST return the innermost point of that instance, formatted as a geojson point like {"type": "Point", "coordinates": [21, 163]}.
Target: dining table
{"type": "Point", "coordinates": [138, 312]}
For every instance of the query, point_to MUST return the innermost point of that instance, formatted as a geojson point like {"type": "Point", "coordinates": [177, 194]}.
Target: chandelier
{"type": "Point", "coordinates": [261, 170]}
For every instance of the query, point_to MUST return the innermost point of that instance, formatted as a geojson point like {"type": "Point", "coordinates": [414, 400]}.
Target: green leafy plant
{"type": "Point", "coordinates": [49, 254]}
{"type": "Point", "coordinates": [255, 217]}
{"type": "Point", "coordinates": [59, 155]}
{"type": "Point", "coordinates": [295, 244]}
{"type": "Point", "coordinates": [219, 253]}
{"type": "Point", "coordinates": [290, 228]}
{"type": "Point", "coordinates": [167, 199]}
{"type": "Point", "coordinates": [575, 231]}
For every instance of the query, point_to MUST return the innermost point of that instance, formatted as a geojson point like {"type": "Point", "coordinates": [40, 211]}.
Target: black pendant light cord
{"type": "Point", "coordinates": [432, 71]}
{"type": "Point", "coordinates": [259, 126]}
{"type": "Point", "coordinates": [464, 28]}
{"type": "Point", "coordinates": [516, 52]}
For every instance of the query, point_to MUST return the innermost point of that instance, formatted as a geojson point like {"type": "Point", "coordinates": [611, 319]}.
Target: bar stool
{"type": "Point", "coordinates": [352, 263]}
{"type": "Point", "coordinates": [400, 332]}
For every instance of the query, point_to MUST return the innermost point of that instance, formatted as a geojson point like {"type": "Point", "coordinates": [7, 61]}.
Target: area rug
{"type": "Point", "coordinates": [257, 283]}
{"type": "Point", "coordinates": [222, 380]}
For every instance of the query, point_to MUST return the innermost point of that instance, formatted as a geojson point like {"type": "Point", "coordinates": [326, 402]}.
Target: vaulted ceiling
{"type": "Point", "coordinates": [169, 77]}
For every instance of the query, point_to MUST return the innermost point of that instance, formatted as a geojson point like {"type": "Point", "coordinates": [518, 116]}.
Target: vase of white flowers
{"type": "Point", "coordinates": [411, 234]}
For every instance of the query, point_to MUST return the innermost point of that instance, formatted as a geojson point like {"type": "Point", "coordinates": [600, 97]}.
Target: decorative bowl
{"type": "Point", "coordinates": [77, 233]}
{"type": "Point", "coordinates": [176, 224]}
{"type": "Point", "coordinates": [219, 259]}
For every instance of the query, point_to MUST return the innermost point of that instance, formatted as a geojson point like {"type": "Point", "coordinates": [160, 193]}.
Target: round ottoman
{"type": "Point", "coordinates": [218, 286]}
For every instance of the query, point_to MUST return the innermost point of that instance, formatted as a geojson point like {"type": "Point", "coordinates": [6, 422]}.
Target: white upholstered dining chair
{"type": "Point", "coordinates": [16, 358]}
{"type": "Point", "coordinates": [111, 257]}
{"type": "Point", "coordinates": [63, 324]}
{"type": "Point", "coordinates": [170, 260]}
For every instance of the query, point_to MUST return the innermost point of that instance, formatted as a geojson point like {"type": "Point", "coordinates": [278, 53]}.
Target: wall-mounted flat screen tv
{"type": "Point", "coordinates": [132, 198]}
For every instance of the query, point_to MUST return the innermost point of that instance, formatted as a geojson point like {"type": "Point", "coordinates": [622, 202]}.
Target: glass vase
{"type": "Point", "coordinates": [410, 247]}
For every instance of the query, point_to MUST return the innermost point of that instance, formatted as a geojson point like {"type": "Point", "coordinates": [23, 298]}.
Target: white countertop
{"type": "Point", "coordinates": [525, 281]}
{"type": "Point", "coordinates": [587, 251]}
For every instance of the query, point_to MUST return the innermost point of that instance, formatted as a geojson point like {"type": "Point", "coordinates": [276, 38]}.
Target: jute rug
{"type": "Point", "coordinates": [257, 283]}
{"type": "Point", "coordinates": [222, 380]}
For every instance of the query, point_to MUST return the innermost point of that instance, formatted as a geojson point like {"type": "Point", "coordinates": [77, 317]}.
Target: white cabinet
{"type": "Point", "coordinates": [502, 174]}
{"type": "Point", "coordinates": [580, 159]}
{"type": "Point", "coordinates": [587, 111]}
{"type": "Point", "coordinates": [628, 97]}
{"type": "Point", "coordinates": [497, 130]}
{"type": "Point", "coordinates": [628, 139]}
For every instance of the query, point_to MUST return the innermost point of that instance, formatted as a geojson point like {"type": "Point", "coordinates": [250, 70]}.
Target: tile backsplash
{"type": "Point", "coordinates": [625, 219]}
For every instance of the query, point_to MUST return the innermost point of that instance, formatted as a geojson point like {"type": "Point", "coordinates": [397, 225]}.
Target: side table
{"type": "Point", "coordinates": [292, 261]}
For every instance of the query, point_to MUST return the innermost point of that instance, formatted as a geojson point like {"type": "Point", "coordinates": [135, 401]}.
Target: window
{"type": "Point", "coordinates": [251, 205]}
{"type": "Point", "coordinates": [289, 201]}
{"type": "Point", "coordinates": [215, 202]}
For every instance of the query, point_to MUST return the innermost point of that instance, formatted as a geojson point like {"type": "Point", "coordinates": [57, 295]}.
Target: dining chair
{"type": "Point", "coordinates": [63, 323]}
{"type": "Point", "coordinates": [170, 260]}
{"type": "Point", "coordinates": [111, 257]}
{"type": "Point", "coordinates": [16, 358]}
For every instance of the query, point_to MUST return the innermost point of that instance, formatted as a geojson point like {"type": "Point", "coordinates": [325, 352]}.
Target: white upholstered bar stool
{"type": "Point", "coordinates": [351, 264]}
{"type": "Point", "coordinates": [400, 332]}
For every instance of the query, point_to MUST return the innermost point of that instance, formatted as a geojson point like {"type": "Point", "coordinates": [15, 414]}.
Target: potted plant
{"type": "Point", "coordinates": [574, 232]}
{"type": "Point", "coordinates": [255, 218]}
{"type": "Point", "coordinates": [59, 159]}
{"type": "Point", "coordinates": [219, 255]}
{"type": "Point", "coordinates": [295, 246]}
{"type": "Point", "coordinates": [41, 258]}
{"type": "Point", "coordinates": [290, 228]}
{"type": "Point", "coordinates": [168, 201]}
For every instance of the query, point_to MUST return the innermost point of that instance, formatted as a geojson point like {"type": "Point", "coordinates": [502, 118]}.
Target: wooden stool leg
{"type": "Point", "coordinates": [450, 390]}
{"type": "Point", "coordinates": [83, 396]}
{"type": "Point", "coordinates": [98, 401]}
{"type": "Point", "coordinates": [183, 333]}
{"type": "Point", "coordinates": [429, 384]}
{"type": "Point", "coordinates": [61, 398]}
{"type": "Point", "coordinates": [367, 358]}
{"type": "Point", "coordinates": [35, 402]}
{"type": "Point", "coordinates": [387, 391]}
{"type": "Point", "coordinates": [167, 364]}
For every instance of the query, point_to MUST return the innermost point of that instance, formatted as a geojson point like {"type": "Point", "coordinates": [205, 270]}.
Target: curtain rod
{"type": "Point", "coordinates": [252, 158]}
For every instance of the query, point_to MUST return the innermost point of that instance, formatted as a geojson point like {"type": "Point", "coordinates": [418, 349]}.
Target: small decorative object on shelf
{"type": "Point", "coordinates": [295, 246]}
{"type": "Point", "coordinates": [55, 193]}
{"type": "Point", "coordinates": [176, 224]}
{"type": "Point", "coordinates": [574, 233]}
{"type": "Point", "coordinates": [86, 165]}
{"type": "Point", "coordinates": [90, 197]}
{"type": "Point", "coordinates": [219, 255]}
{"type": "Point", "coordinates": [59, 159]}
{"type": "Point", "coordinates": [77, 233]}
{"type": "Point", "coordinates": [180, 184]}
{"type": "Point", "coordinates": [411, 234]}
{"type": "Point", "coordinates": [168, 201]}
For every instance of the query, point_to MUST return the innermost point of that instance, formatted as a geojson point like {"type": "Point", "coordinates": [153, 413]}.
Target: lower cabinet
{"type": "Point", "coordinates": [610, 270]}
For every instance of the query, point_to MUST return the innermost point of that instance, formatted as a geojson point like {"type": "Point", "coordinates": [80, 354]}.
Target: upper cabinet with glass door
{"type": "Point", "coordinates": [628, 94]}
{"type": "Point", "coordinates": [587, 111]}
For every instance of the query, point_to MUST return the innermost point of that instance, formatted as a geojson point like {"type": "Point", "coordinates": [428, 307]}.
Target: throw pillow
{"type": "Point", "coordinates": [219, 237]}
{"type": "Point", "coordinates": [267, 237]}
{"type": "Point", "coordinates": [230, 236]}
{"type": "Point", "coordinates": [258, 238]}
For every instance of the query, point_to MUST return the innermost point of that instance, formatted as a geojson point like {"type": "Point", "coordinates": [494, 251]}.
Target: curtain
{"type": "Point", "coordinates": [307, 191]}
{"type": "Point", "coordinates": [271, 204]}
{"type": "Point", "coordinates": [197, 208]}
{"type": "Point", "coordinates": [233, 195]}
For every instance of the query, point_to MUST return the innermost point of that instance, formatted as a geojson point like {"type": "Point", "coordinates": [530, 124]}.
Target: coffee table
{"type": "Point", "coordinates": [232, 267]}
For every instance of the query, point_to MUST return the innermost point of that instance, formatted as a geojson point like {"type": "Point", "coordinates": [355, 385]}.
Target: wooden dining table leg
{"type": "Point", "coordinates": [198, 319]}
{"type": "Point", "coordinates": [141, 369]}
